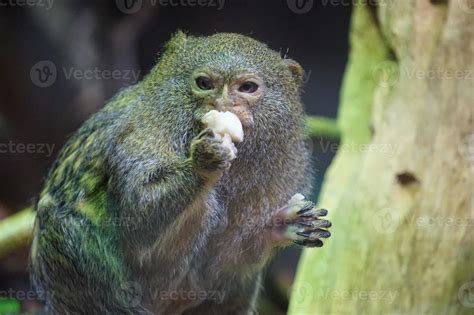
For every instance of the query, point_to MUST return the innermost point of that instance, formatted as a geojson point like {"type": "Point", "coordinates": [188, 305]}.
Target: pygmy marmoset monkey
{"type": "Point", "coordinates": [145, 198]}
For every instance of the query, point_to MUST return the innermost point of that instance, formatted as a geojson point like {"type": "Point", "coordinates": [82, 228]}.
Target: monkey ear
{"type": "Point", "coordinates": [296, 70]}
{"type": "Point", "coordinates": [177, 42]}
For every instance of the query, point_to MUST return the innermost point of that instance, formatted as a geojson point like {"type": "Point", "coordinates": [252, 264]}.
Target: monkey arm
{"type": "Point", "coordinates": [155, 196]}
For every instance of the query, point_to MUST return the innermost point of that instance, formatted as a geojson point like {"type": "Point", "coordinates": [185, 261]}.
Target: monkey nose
{"type": "Point", "coordinates": [223, 103]}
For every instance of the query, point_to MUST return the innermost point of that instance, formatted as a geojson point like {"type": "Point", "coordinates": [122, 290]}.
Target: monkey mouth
{"type": "Point", "coordinates": [245, 117]}
{"type": "Point", "coordinates": [237, 108]}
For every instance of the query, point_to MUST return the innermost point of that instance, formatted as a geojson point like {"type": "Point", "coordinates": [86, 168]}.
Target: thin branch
{"type": "Point", "coordinates": [322, 127]}
{"type": "Point", "coordinates": [16, 231]}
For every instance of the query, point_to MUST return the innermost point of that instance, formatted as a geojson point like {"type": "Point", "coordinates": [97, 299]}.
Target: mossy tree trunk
{"type": "Point", "coordinates": [400, 189]}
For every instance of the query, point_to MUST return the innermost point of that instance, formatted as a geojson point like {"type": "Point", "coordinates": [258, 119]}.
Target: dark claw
{"type": "Point", "coordinates": [305, 224]}
{"type": "Point", "coordinates": [321, 212]}
{"type": "Point", "coordinates": [322, 233]}
{"type": "Point", "coordinates": [317, 213]}
{"type": "Point", "coordinates": [304, 234]}
{"type": "Point", "coordinates": [315, 234]}
{"type": "Point", "coordinates": [324, 223]}
{"type": "Point", "coordinates": [315, 243]}
{"type": "Point", "coordinates": [316, 223]}
{"type": "Point", "coordinates": [309, 243]}
{"type": "Point", "coordinates": [308, 206]}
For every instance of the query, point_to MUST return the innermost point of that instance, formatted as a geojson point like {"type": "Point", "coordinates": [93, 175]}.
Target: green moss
{"type": "Point", "coordinates": [94, 208]}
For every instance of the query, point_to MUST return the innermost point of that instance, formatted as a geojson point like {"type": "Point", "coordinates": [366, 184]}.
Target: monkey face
{"type": "Point", "coordinates": [237, 94]}
{"type": "Point", "coordinates": [235, 73]}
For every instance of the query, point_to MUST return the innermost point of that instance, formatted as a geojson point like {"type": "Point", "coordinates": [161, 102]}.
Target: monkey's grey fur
{"type": "Point", "coordinates": [126, 206]}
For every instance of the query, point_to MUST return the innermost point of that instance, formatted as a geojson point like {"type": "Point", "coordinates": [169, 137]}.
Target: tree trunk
{"type": "Point", "coordinates": [400, 190]}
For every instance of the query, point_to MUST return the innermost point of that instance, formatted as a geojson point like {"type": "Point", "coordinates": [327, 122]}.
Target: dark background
{"type": "Point", "coordinates": [102, 35]}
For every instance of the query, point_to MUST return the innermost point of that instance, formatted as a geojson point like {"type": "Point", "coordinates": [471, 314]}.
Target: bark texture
{"type": "Point", "coordinates": [400, 190]}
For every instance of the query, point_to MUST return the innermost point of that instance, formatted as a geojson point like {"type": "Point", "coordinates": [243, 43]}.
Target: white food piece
{"type": "Point", "coordinates": [296, 199]}
{"type": "Point", "coordinates": [223, 123]}
{"type": "Point", "coordinates": [227, 142]}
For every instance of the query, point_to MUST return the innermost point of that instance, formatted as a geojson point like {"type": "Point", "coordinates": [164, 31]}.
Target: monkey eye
{"type": "Point", "coordinates": [204, 83]}
{"type": "Point", "coordinates": [248, 87]}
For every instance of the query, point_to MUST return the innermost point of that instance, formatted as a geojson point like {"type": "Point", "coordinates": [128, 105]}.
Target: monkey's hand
{"type": "Point", "coordinates": [300, 222]}
{"type": "Point", "coordinates": [211, 154]}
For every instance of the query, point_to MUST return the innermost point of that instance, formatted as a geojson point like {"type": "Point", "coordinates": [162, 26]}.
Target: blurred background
{"type": "Point", "coordinates": [61, 60]}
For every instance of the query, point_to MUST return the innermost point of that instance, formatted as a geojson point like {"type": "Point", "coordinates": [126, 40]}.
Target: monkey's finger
{"type": "Point", "coordinates": [306, 206]}
{"type": "Point", "coordinates": [208, 132]}
{"type": "Point", "coordinates": [315, 212]}
{"type": "Point", "coordinates": [313, 224]}
{"type": "Point", "coordinates": [315, 234]}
